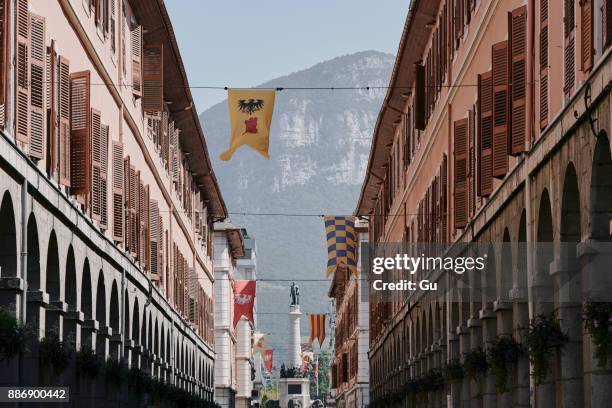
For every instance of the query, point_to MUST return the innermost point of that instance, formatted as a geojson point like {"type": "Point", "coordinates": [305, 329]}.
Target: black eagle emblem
{"type": "Point", "coordinates": [250, 105]}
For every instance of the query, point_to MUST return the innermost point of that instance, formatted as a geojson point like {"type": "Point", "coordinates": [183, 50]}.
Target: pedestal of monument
{"type": "Point", "coordinates": [294, 392]}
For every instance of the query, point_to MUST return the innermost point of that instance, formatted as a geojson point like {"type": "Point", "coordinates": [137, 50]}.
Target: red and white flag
{"type": "Point", "coordinates": [317, 328]}
{"type": "Point", "coordinates": [268, 359]}
{"type": "Point", "coordinates": [244, 299]}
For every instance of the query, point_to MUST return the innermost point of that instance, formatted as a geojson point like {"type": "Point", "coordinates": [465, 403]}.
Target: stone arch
{"type": "Point", "coordinates": [71, 280]}
{"type": "Point", "coordinates": [113, 321]}
{"type": "Point", "coordinates": [86, 293]}
{"type": "Point", "coordinates": [156, 338]}
{"type": "Point", "coordinates": [520, 281]}
{"type": "Point", "coordinates": [601, 190]}
{"type": "Point", "coordinates": [101, 314]}
{"type": "Point", "coordinates": [143, 330]}
{"type": "Point", "coordinates": [544, 255]}
{"type": "Point", "coordinates": [52, 285]}
{"type": "Point", "coordinates": [162, 342]}
{"type": "Point", "coordinates": [570, 229]}
{"type": "Point", "coordinates": [33, 254]}
{"type": "Point", "coordinates": [8, 237]}
{"type": "Point", "coordinates": [136, 323]}
{"type": "Point", "coordinates": [126, 314]}
{"type": "Point", "coordinates": [505, 274]}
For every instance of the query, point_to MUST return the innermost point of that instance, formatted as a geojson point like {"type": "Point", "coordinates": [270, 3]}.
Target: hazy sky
{"type": "Point", "coordinates": [243, 43]}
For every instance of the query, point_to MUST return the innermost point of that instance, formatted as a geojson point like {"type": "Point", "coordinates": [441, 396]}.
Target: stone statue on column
{"type": "Point", "coordinates": [295, 294]}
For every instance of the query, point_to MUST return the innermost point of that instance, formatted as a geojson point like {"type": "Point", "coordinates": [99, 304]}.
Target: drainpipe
{"type": "Point", "coordinates": [24, 246]}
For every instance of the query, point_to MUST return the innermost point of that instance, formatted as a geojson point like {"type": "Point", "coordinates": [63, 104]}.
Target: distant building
{"type": "Point", "coordinates": [350, 367]}
{"type": "Point", "coordinates": [229, 246]}
{"type": "Point", "coordinates": [247, 365]}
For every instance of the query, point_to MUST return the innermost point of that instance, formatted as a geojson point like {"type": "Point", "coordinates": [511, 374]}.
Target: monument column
{"type": "Point", "coordinates": [295, 348]}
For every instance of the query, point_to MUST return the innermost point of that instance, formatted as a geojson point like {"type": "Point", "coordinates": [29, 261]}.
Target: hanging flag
{"type": "Point", "coordinates": [268, 357]}
{"type": "Point", "coordinates": [250, 112]}
{"type": "Point", "coordinates": [244, 299]}
{"type": "Point", "coordinates": [341, 243]}
{"type": "Point", "coordinates": [259, 343]}
{"type": "Point", "coordinates": [317, 328]}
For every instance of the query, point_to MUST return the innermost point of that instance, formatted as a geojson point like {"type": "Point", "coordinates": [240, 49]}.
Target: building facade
{"type": "Point", "coordinates": [229, 246]}
{"type": "Point", "coordinates": [248, 365]}
{"type": "Point", "coordinates": [495, 130]}
{"type": "Point", "coordinates": [350, 366]}
{"type": "Point", "coordinates": [108, 193]}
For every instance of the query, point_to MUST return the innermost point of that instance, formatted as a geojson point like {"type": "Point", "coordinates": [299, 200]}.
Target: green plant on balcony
{"type": "Point", "coordinates": [503, 355]}
{"type": "Point", "coordinates": [55, 353]}
{"type": "Point", "coordinates": [87, 362]}
{"type": "Point", "coordinates": [544, 337]}
{"type": "Point", "coordinates": [475, 363]}
{"type": "Point", "coordinates": [597, 318]}
{"type": "Point", "coordinates": [453, 371]}
{"type": "Point", "coordinates": [114, 372]}
{"type": "Point", "coordinates": [12, 336]}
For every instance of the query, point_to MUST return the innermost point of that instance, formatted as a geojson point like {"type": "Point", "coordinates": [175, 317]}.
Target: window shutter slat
{"type": "Point", "coordinates": [517, 20]}
{"type": "Point", "coordinates": [419, 97]}
{"type": "Point", "coordinates": [38, 52]}
{"type": "Point", "coordinates": [485, 134]}
{"type": "Point", "coordinates": [64, 121]}
{"type": "Point", "coordinates": [586, 43]}
{"type": "Point", "coordinates": [118, 180]}
{"type": "Point", "coordinates": [153, 78]}
{"type": "Point", "coordinates": [500, 109]}
{"type": "Point", "coordinates": [96, 168]}
{"type": "Point", "coordinates": [22, 102]}
{"type": "Point", "coordinates": [80, 163]}
{"type": "Point", "coordinates": [104, 176]}
{"type": "Point", "coordinates": [136, 53]}
{"type": "Point", "coordinates": [543, 63]}
{"type": "Point", "coordinates": [4, 46]}
{"type": "Point", "coordinates": [460, 141]}
{"type": "Point", "coordinates": [569, 63]}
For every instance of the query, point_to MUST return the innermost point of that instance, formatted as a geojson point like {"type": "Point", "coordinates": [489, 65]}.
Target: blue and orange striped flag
{"type": "Point", "coordinates": [341, 243]}
{"type": "Point", "coordinates": [317, 328]}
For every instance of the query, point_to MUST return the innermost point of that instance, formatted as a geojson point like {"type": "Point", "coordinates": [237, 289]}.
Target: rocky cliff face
{"type": "Point", "coordinates": [319, 147]}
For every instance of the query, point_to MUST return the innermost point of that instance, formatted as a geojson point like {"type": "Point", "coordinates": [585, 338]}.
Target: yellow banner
{"type": "Point", "coordinates": [250, 112]}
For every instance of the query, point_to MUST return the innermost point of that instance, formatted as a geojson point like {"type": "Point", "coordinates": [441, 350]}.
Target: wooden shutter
{"type": "Point", "coordinates": [64, 122]}
{"type": "Point", "coordinates": [80, 162]}
{"type": "Point", "coordinates": [165, 139]}
{"type": "Point", "coordinates": [543, 63]}
{"type": "Point", "coordinates": [160, 244]}
{"type": "Point", "coordinates": [136, 52]}
{"type": "Point", "coordinates": [470, 162]}
{"type": "Point", "coordinates": [500, 109]}
{"type": "Point", "coordinates": [4, 47]}
{"type": "Point", "coordinates": [419, 97]}
{"type": "Point", "coordinates": [444, 198]}
{"type": "Point", "coordinates": [22, 102]}
{"type": "Point", "coordinates": [96, 167]}
{"type": "Point", "coordinates": [145, 227]}
{"type": "Point", "coordinates": [104, 137]}
{"type": "Point", "coordinates": [586, 37]}
{"type": "Point", "coordinates": [118, 179]}
{"type": "Point", "coordinates": [458, 21]}
{"type": "Point", "coordinates": [517, 22]}
{"type": "Point", "coordinates": [569, 64]}
{"type": "Point", "coordinates": [38, 53]}
{"type": "Point", "coordinates": [460, 142]}
{"type": "Point", "coordinates": [113, 25]}
{"type": "Point", "coordinates": [153, 77]}
{"type": "Point", "coordinates": [607, 22]}
{"type": "Point", "coordinates": [485, 134]}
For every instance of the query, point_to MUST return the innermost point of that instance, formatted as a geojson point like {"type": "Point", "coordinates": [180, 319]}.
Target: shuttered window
{"type": "Point", "coordinates": [607, 22]}
{"type": "Point", "coordinates": [460, 144]}
{"type": "Point", "coordinates": [569, 64]}
{"type": "Point", "coordinates": [153, 78]}
{"type": "Point", "coordinates": [96, 164]}
{"type": "Point", "coordinates": [443, 198]}
{"type": "Point", "coordinates": [104, 138]}
{"type": "Point", "coordinates": [136, 56]}
{"type": "Point", "coordinates": [500, 109]}
{"type": "Point", "coordinates": [22, 66]}
{"type": "Point", "coordinates": [38, 53]}
{"type": "Point", "coordinates": [517, 21]}
{"type": "Point", "coordinates": [419, 97]}
{"type": "Point", "coordinates": [586, 35]}
{"type": "Point", "coordinates": [4, 46]}
{"type": "Point", "coordinates": [458, 21]}
{"type": "Point", "coordinates": [118, 179]}
{"type": "Point", "coordinates": [64, 122]}
{"type": "Point", "coordinates": [407, 142]}
{"type": "Point", "coordinates": [485, 134]}
{"type": "Point", "coordinates": [80, 163]}
{"type": "Point", "coordinates": [543, 64]}
{"type": "Point", "coordinates": [113, 24]}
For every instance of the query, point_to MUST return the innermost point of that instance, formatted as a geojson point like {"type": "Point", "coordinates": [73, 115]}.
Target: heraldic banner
{"type": "Point", "coordinates": [244, 299]}
{"type": "Point", "coordinates": [268, 357]}
{"type": "Point", "coordinates": [250, 112]}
